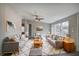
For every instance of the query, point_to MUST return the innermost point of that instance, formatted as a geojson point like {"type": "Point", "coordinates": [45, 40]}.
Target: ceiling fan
{"type": "Point", "coordinates": [36, 16]}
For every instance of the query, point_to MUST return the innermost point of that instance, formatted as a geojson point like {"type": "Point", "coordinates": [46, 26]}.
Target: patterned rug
{"type": "Point", "coordinates": [26, 49]}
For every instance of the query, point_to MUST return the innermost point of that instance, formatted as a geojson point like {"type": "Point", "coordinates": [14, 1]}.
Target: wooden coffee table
{"type": "Point", "coordinates": [37, 43]}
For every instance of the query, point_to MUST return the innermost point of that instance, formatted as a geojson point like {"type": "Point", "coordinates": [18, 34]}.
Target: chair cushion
{"type": "Point", "coordinates": [59, 44]}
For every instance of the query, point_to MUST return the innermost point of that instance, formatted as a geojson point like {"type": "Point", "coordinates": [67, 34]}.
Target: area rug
{"type": "Point", "coordinates": [35, 52]}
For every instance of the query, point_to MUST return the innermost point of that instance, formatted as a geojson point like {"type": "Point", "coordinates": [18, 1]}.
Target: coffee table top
{"type": "Point", "coordinates": [37, 41]}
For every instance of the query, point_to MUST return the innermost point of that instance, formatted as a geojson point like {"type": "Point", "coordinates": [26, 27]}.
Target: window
{"type": "Point", "coordinates": [64, 28]}
{"type": "Point", "coordinates": [60, 29]}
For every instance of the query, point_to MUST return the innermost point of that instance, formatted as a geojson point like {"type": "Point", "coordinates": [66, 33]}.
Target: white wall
{"type": "Point", "coordinates": [78, 32]}
{"type": "Point", "coordinates": [73, 28]}
{"type": "Point", "coordinates": [12, 16]}
{"type": "Point", "coordinates": [46, 26]}
{"type": "Point", "coordinates": [7, 13]}
{"type": "Point", "coordinates": [1, 25]}
{"type": "Point", "coordinates": [1, 31]}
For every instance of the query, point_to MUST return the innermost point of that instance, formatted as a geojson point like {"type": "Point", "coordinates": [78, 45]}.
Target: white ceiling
{"type": "Point", "coordinates": [51, 12]}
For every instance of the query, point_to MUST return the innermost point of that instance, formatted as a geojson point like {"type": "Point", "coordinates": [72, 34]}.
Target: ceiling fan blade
{"type": "Point", "coordinates": [35, 15]}
{"type": "Point", "coordinates": [39, 19]}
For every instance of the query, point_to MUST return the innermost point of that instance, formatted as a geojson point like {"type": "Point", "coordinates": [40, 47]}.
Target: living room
{"type": "Point", "coordinates": [34, 29]}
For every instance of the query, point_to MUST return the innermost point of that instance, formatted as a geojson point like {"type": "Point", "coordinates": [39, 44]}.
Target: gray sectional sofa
{"type": "Point", "coordinates": [55, 42]}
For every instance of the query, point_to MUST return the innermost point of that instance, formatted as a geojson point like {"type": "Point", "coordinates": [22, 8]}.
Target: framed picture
{"type": "Point", "coordinates": [39, 28]}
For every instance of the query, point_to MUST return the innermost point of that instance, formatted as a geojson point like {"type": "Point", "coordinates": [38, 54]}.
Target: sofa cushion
{"type": "Point", "coordinates": [59, 44]}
